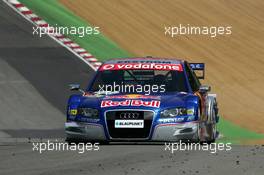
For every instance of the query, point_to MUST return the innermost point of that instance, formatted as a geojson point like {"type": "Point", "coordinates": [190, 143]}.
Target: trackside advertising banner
{"type": "Point", "coordinates": [140, 66]}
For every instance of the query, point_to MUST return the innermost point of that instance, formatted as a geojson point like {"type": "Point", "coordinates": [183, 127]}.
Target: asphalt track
{"type": "Point", "coordinates": [34, 74]}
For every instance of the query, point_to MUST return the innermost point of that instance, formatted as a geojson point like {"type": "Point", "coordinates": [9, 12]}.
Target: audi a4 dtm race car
{"type": "Point", "coordinates": [143, 99]}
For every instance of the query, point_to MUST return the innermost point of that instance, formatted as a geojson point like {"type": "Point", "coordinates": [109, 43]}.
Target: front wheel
{"type": "Point", "coordinates": [212, 127]}
{"type": "Point", "coordinates": [213, 133]}
{"type": "Point", "coordinates": [198, 132]}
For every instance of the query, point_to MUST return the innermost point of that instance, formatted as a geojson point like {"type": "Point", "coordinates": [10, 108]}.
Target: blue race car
{"type": "Point", "coordinates": [143, 99]}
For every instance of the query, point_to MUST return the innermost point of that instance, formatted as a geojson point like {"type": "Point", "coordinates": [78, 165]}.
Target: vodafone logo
{"type": "Point", "coordinates": [152, 66]}
{"type": "Point", "coordinates": [110, 103]}
{"type": "Point", "coordinates": [107, 67]}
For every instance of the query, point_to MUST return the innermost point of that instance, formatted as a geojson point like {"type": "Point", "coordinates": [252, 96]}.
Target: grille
{"type": "Point", "coordinates": [129, 133]}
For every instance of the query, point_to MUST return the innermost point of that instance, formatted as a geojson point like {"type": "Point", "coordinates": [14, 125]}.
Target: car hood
{"type": "Point", "coordinates": [157, 101]}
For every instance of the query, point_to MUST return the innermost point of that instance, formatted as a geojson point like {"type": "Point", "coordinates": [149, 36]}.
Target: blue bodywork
{"type": "Point", "coordinates": [169, 100]}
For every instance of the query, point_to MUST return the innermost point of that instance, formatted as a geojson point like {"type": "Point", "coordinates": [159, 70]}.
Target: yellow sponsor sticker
{"type": "Point", "coordinates": [73, 112]}
{"type": "Point", "coordinates": [190, 111]}
{"type": "Point", "coordinates": [134, 96]}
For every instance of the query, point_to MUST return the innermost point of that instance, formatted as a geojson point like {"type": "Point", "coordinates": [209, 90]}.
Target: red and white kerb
{"type": "Point", "coordinates": [63, 40]}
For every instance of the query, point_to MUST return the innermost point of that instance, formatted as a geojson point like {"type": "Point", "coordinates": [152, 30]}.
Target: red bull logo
{"type": "Point", "coordinates": [110, 103]}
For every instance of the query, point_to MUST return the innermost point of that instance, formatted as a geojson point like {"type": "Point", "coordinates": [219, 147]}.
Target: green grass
{"type": "Point", "coordinates": [56, 14]}
{"type": "Point", "coordinates": [103, 48]}
{"type": "Point", "coordinates": [236, 134]}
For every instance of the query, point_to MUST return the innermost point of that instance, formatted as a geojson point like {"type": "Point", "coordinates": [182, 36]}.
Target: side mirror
{"type": "Point", "coordinates": [76, 87]}
{"type": "Point", "coordinates": [204, 88]}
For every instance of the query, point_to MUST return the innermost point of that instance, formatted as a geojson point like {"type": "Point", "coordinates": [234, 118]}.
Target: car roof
{"type": "Point", "coordinates": [145, 60]}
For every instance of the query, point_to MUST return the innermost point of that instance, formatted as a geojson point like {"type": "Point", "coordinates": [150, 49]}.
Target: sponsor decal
{"type": "Point", "coordinates": [73, 112]}
{"type": "Point", "coordinates": [131, 96]}
{"type": "Point", "coordinates": [110, 103]}
{"type": "Point", "coordinates": [85, 119]}
{"type": "Point", "coordinates": [141, 66]}
{"type": "Point", "coordinates": [197, 66]}
{"type": "Point", "coordinates": [86, 94]}
{"type": "Point", "coordinates": [191, 118]}
{"type": "Point", "coordinates": [190, 111]}
{"type": "Point", "coordinates": [129, 123]}
{"type": "Point", "coordinates": [171, 120]}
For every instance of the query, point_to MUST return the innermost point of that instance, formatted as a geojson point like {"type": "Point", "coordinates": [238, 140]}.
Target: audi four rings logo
{"type": "Point", "coordinates": [129, 115]}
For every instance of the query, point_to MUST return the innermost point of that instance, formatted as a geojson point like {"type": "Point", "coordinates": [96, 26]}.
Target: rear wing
{"type": "Point", "coordinates": [199, 69]}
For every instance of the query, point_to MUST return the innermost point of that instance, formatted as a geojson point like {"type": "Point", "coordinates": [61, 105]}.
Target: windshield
{"type": "Point", "coordinates": [139, 81]}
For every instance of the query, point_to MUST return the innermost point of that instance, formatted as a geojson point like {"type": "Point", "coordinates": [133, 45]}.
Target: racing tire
{"type": "Point", "coordinates": [198, 134]}
{"type": "Point", "coordinates": [212, 128]}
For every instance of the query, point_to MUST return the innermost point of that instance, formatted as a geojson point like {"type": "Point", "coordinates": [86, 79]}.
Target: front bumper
{"type": "Point", "coordinates": [161, 132]}
{"type": "Point", "coordinates": [76, 130]}
{"type": "Point", "coordinates": [176, 132]}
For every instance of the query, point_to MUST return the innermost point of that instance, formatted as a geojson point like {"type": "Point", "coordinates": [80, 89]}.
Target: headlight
{"type": "Point", "coordinates": [88, 112]}
{"type": "Point", "coordinates": [174, 112]}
